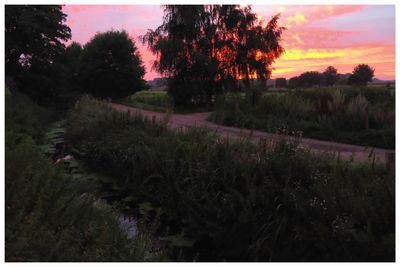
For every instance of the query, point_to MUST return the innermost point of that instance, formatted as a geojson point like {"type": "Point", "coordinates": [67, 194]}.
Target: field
{"type": "Point", "coordinates": [158, 100]}
{"type": "Point", "coordinates": [150, 100]}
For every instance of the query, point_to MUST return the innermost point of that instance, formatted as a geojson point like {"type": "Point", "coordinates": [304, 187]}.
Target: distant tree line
{"type": "Point", "coordinates": [362, 74]}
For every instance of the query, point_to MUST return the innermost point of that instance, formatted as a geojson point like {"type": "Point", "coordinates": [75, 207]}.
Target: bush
{"type": "Point", "coordinates": [49, 215]}
{"type": "Point", "coordinates": [110, 66]}
{"type": "Point", "coordinates": [49, 218]}
{"type": "Point", "coordinates": [232, 201]}
{"type": "Point", "coordinates": [24, 116]}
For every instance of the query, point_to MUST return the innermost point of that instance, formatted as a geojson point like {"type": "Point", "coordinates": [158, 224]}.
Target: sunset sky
{"type": "Point", "coordinates": [316, 36]}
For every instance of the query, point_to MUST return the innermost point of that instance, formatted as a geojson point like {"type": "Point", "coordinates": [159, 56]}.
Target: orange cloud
{"type": "Point", "coordinates": [313, 42]}
{"type": "Point", "coordinates": [297, 60]}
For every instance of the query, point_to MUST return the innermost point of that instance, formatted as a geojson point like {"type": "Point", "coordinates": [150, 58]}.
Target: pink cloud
{"type": "Point", "coordinates": [312, 35]}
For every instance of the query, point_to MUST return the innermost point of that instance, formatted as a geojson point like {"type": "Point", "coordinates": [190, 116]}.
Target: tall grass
{"type": "Point", "coordinates": [219, 200]}
{"type": "Point", "coordinates": [364, 117]}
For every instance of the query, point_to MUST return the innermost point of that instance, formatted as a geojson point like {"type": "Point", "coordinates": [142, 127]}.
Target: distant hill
{"type": "Point", "coordinates": [377, 81]}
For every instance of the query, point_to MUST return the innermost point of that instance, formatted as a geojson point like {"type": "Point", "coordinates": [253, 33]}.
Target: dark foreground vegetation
{"type": "Point", "coordinates": [195, 197]}
{"type": "Point", "coordinates": [52, 215]}
{"type": "Point", "coordinates": [218, 200]}
{"type": "Point", "coordinates": [355, 115]}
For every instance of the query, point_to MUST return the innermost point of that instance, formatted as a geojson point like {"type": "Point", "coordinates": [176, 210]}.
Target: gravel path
{"type": "Point", "coordinates": [360, 153]}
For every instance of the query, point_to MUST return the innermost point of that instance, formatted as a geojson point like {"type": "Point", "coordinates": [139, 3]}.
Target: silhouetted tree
{"type": "Point", "coordinates": [281, 82]}
{"type": "Point", "coordinates": [110, 66]}
{"type": "Point", "coordinates": [34, 36]}
{"type": "Point", "coordinates": [310, 78]}
{"type": "Point", "coordinates": [203, 49]}
{"type": "Point", "coordinates": [294, 82]}
{"type": "Point", "coordinates": [72, 56]}
{"type": "Point", "coordinates": [362, 74]}
{"type": "Point", "coordinates": [331, 76]}
{"type": "Point", "coordinates": [343, 79]}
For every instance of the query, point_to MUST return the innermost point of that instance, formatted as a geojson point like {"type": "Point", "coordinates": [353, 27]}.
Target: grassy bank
{"type": "Point", "coordinates": [361, 116]}
{"type": "Point", "coordinates": [217, 200]}
{"type": "Point", "coordinates": [51, 215]}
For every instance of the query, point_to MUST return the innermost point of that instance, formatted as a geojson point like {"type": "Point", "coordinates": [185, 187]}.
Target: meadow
{"type": "Point", "coordinates": [154, 100]}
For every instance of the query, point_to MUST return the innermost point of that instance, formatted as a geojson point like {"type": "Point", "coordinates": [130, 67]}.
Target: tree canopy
{"type": "Point", "coordinates": [110, 66]}
{"type": "Point", "coordinates": [362, 74]}
{"type": "Point", "coordinates": [203, 49]}
{"type": "Point", "coordinates": [34, 35]}
{"type": "Point", "coordinates": [331, 76]}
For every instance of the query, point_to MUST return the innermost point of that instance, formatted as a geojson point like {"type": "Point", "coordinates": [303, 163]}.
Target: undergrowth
{"type": "Point", "coordinates": [227, 200]}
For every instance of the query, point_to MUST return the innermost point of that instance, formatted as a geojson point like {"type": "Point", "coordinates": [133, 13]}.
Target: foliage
{"type": "Point", "coordinates": [307, 79]}
{"type": "Point", "coordinates": [331, 76]}
{"type": "Point", "coordinates": [281, 82]}
{"type": "Point", "coordinates": [205, 48]}
{"type": "Point", "coordinates": [150, 100]}
{"type": "Point", "coordinates": [34, 41]}
{"type": "Point", "coordinates": [24, 116]}
{"type": "Point", "coordinates": [48, 218]}
{"type": "Point", "coordinates": [362, 74]}
{"type": "Point", "coordinates": [34, 35]}
{"type": "Point", "coordinates": [70, 59]}
{"type": "Point", "coordinates": [223, 200]}
{"type": "Point", "coordinates": [52, 216]}
{"type": "Point", "coordinates": [110, 66]}
{"type": "Point", "coordinates": [349, 115]}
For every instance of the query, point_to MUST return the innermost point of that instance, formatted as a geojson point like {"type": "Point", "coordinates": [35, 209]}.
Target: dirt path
{"type": "Point", "coordinates": [360, 153]}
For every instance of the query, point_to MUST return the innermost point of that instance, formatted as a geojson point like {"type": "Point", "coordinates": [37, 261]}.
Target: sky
{"type": "Point", "coordinates": [316, 36]}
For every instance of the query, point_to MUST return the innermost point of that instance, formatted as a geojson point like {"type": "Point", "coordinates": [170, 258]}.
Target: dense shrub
{"type": "Point", "coordinates": [49, 215]}
{"type": "Point", "coordinates": [228, 200]}
{"type": "Point", "coordinates": [24, 116]}
{"type": "Point", "coordinates": [50, 218]}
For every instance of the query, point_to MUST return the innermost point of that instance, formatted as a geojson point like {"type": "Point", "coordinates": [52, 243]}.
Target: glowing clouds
{"type": "Point", "coordinates": [322, 35]}
{"type": "Point", "coordinates": [317, 35]}
{"type": "Point", "coordinates": [297, 19]}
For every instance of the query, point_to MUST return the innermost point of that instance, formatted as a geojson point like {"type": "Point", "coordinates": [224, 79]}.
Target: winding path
{"type": "Point", "coordinates": [360, 153]}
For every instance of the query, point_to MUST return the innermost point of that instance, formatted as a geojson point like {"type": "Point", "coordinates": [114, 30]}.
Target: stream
{"type": "Point", "coordinates": [57, 150]}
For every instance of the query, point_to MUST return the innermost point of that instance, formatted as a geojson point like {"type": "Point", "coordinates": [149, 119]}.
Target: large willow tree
{"type": "Point", "coordinates": [204, 49]}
